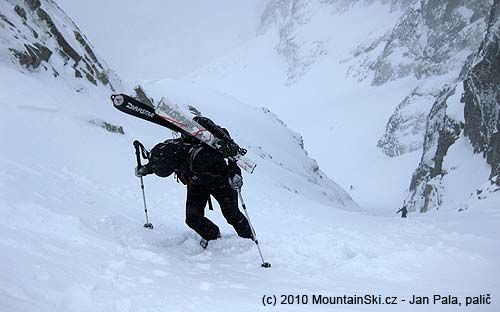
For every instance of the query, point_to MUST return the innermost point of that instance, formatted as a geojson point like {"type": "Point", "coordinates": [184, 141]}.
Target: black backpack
{"type": "Point", "coordinates": [165, 157]}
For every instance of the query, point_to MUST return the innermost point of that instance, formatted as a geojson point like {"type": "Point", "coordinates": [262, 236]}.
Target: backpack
{"type": "Point", "coordinates": [165, 157]}
{"type": "Point", "coordinates": [226, 144]}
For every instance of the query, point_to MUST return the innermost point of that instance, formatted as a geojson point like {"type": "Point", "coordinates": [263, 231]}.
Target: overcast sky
{"type": "Point", "coordinates": [164, 38]}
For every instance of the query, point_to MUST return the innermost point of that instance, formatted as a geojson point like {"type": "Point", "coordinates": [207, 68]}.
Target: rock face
{"type": "Point", "coordinates": [433, 38]}
{"type": "Point", "coordinates": [404, 131]}
{"type": "Point", "coordinates": [482, 96]}
{"type": "Point", "coordinates": [469, 110]}
{"type": "Point", "coordinates": [39, 36]}
{"type": "Point", "coordinates": [439, 48]}
{"type": "Point", "coordinates": [141, 96]}
{"type": "Point", "coordinates": [441, 132]}
{"type": "Point", "coordinates": [303, 50]}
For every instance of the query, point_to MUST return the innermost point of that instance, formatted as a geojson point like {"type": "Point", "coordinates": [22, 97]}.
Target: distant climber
{"type": "Point", "coordinates": [403, 210]}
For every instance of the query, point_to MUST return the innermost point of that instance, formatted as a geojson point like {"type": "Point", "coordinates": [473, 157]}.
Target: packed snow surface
{"type": "Point", "coordinates": [72, 239]}
{"type": "Point", "coordinates": [71, 226]}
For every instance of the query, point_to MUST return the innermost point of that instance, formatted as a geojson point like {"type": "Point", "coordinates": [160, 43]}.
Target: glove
{"type": "Point", "coordinates": [141, 171]}
{"type": "Point", "coordinates": [228, 148]}
{"type": "Point", "coordinates": [236, 182]}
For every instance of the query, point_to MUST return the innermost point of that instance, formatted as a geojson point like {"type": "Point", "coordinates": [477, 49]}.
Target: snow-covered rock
{"type": "Point", "coordinates": [432, 39]}
{"type": "Point", "coordinates": [405, 128]}
{"type": "Point", "coordinates": [482, 96]}
{"type": "Point", "coordinates": [431, 42]}
{"type": "Point", "coordinates": [37, 35]}
{"type": "Point", "coordinates": [451, 123]}
{"type": "Point", "coordinates": [441, 132]}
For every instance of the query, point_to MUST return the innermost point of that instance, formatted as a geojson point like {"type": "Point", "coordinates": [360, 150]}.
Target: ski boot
{"type": "Point", "coordinates": [204, 242]}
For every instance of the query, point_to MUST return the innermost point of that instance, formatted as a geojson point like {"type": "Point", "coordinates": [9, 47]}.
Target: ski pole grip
{"type": "Point", "coordinates": [137, 152]}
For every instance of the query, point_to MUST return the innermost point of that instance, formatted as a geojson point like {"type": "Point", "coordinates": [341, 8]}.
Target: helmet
{"type": "Point", "coordinates": [166, 157]}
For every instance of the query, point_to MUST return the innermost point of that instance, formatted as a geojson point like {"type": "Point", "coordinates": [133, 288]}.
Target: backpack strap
{"type": "Point", "coordinates": [210, 206]}
{"type": "Point", "coordinates": [193, 151]}
{"type": "Point", "coordinates": [185, 173]}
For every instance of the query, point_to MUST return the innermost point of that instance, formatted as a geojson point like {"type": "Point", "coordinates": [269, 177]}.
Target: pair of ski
{"type": "Point", "coordinates": [168, 114]}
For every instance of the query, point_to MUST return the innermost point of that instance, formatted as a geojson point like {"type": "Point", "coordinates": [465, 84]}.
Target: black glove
{"type": "Point", "coordinates": [228, 148]}
{"type": "Point", "coordinates": [141, 171]}
{"type": "Point", "coordinates": [236, 182]}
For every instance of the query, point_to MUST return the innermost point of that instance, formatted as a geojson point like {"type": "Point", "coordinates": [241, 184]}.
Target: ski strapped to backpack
{"type": "Point", "coordinates": [168, 114]}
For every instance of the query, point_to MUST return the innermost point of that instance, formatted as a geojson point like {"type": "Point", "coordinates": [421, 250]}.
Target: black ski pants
{"type": "Point", "coordinates": [197, 197]}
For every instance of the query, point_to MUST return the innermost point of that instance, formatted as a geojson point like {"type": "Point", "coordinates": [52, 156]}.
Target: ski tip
{"type": "Point", "coordinates": [117, 99]}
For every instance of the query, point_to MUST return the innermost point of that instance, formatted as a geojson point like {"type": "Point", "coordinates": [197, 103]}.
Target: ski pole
{"type": "Point", "coordinates": [264, 264]}
{"type": "Point", "coordinates": [138, 146]}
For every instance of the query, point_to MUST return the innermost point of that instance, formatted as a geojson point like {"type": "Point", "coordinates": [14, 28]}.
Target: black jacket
{"type": "Point", "coordinates": [203, 165]}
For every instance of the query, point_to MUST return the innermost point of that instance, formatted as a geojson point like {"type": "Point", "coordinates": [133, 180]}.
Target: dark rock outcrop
{"type": "Point", "coordinates": [107, 126]}
{"type": "Point", "coordinates": [441, 132]}
{"type": "Point", "coordinates": [33, 55]}
{"type": "Point", "coordinates": [480, 100]}
{"type": "Point", "coordinates": [141, 96]}
{"type": "Point", "coordinates": [38, 35]}
{"type": "Point", "coordinates": [482, 96]}
{"type": "Point", "coordinates": [431, 40]}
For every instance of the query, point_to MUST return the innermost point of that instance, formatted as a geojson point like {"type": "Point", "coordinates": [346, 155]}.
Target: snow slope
{"type": "Point", "coordinates": [72, 239]}
{"type": "Point", "coordinates": [298, 57]}
{"type": "Point", "coordinates": [71, 235]}
{"type": "Point", "coordinates": [299, 84]}
{"type": "Point", "coordinates": [340, 144]}
{"type": "Point", "coordinates": [374, 81]}
{"type": "Point", "coordinates": [278, 152]}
